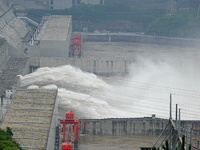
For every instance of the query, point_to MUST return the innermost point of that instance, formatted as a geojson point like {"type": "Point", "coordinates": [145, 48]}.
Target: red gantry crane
{"type": "Point", "coordinates": [70, 131]}
{"type": "Point", "coordinates": [76, 46]}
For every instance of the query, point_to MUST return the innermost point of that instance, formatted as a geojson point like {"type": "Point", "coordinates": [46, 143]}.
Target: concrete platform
{"type": "Point", "coordinates": [57, 28]}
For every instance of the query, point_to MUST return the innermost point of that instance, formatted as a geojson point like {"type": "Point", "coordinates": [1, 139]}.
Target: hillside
{"type": "Point", "coordinates": [151, 17]}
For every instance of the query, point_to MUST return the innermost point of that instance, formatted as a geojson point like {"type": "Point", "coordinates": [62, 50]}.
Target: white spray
{"type": "Point", "coordinates": [145, 91]}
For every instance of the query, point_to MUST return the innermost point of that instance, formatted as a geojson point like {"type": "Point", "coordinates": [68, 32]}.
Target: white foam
{"type": "Point", "coordinates": [33, 87]}
{"type": "Point", "coordinates": [50, 86]}
{"type": "Point", "coordinates": [147, 91]}
{"type": "Point", "coordinates": [144, 92]}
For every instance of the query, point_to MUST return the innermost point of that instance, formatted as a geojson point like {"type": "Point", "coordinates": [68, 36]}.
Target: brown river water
{"type": "Point", "coordinates": [91, 142]}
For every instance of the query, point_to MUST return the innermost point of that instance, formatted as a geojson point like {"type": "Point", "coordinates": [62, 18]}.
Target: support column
{"type": "Point", "coordinates": [170, 113]}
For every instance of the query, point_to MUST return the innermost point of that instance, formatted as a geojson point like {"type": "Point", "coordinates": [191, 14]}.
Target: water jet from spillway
{"type": "Point", "coordinates": [145, 91]}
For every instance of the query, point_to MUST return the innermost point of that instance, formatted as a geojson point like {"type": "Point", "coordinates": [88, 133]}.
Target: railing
{"type": "Point", "coordinates": [29, 20]}
{"type": "Point", "coordinates": [173, 135]}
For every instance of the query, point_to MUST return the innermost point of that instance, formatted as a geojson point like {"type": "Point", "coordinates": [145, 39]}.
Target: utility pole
{"type": "Point", "coordinates": [191, 137]}
{"type": "Point", "coordinates": [176, 116]}
{"type": "Point", "coordinates": [171, 8]}
{"type": "Point", "coordinates": [170, 111]}
{"type": "Point", "coordinates": [179, 123]}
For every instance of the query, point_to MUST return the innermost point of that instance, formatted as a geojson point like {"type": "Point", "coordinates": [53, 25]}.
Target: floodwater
{"type": "Point", "coordinates": [91, 142]}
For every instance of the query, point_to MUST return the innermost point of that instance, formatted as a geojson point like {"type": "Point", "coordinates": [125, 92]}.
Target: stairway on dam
{"type": "Point", "coordinates": [11, 28]}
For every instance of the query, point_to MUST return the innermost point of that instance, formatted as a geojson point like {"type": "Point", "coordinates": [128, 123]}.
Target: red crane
{"type": "Point", "coordinates": [76, 46]}
{"type": "Point", "coordinates": [70, 130]}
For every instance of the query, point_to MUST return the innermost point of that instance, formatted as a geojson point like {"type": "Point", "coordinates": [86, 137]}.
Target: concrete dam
{"type": "Point", "coordinates": [12, 60]}
{"type": "Point", "coordinates": [11, 28]}
{"type": "Point", "coordinates": [110, 57]}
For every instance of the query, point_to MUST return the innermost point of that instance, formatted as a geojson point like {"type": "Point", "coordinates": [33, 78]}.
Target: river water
{"type": "Point", "coordinates": [89, 142]}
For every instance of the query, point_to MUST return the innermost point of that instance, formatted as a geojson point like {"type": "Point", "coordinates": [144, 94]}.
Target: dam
{"type": "Point", "coordinates": [120, 85]}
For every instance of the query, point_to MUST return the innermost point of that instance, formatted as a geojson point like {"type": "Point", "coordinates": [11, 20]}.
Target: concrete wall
{"type": "Point", "coordinates": [52, 132]}
{"type": "Point", "coordinates": [133, 126]}
{"type": "Point", "coordinates": [54, 49]}
{"type": "Point", "coordinates": [109, 37]}
{"type": "Point", "coordinates": [69, 36]}
{"type": "Point", "coordinates": [194, 125]}
{"type": "Point", "coordinates": [93, 2]}
{"type": "Point", "coordinates": [47, 4]}
{"type": "Point", "coordinates": [3, 53]}
{"type": "Point", "coordinates": [11, 28]}
{"type": "Point", "coordinates": [63, 4]}
{"type": "Point", "coordinates": [26, 69]}
{"type": "Point", "coordinates": [15, 52]}
{"type": "Point", "coordinates": [60, 4]}
{"type": "Point", "coordinates": [125, 126]}
{"type": "Point", "coordinates": [56, 54]}
{"type": "Point", "coordinates": [50, 49]}
{"type": "Point", "coordinates": [99, 67]}
{"type": "Point", "coordinates": [12, 63]}
{"type": "Point", "coordinates": [24, 4]}
{"type": "Point", "coordinates": [7, 51]}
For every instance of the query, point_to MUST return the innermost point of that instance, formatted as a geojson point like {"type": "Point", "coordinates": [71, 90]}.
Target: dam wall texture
{"type": "Point", "coordinates": [11, 28]}
{"type": "Point", "coordinates": [3, 53]}
{"type": "Point", "coordinates": [12, 63]}
{"type": "Point", "coordinates": [133, 126]}
{"type": "Point", "coordinates": [105, 65]}
{"type": "Point", "coordinates": [99, 67]}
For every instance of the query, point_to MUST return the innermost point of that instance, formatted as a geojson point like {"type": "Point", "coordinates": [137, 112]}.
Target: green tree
{"type": "Point", "coordinates": [6, 140]}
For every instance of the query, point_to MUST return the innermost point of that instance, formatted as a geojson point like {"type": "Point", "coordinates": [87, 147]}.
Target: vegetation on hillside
{"type": "Point", "coordinates": [7, 142]}
{"type": "Point", "coordinates": [183, 24]}
{"type": "Point", "coordinates": [148, 16]}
